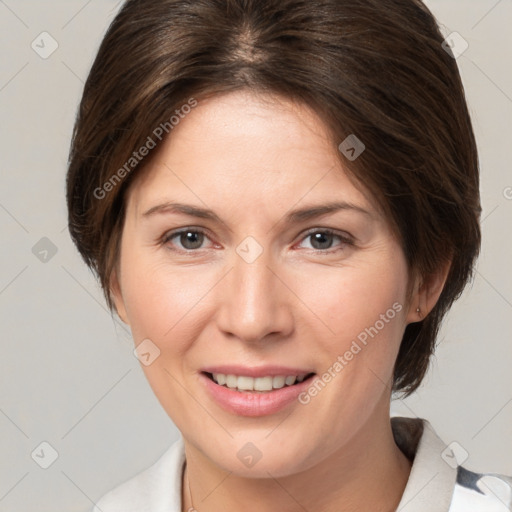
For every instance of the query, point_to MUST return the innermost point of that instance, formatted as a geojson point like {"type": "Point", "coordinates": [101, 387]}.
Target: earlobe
{"type": "Point", "coordinates": [426, 294]}
{"type": "Point", "coordinates": [117, 297]}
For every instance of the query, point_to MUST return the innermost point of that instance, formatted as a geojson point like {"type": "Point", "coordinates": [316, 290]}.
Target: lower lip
{"type": "Point", "coordinates": [254, 403]}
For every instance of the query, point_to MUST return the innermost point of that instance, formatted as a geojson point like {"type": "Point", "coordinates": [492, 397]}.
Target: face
{"type": "Point", "coordinates": [261, 283]}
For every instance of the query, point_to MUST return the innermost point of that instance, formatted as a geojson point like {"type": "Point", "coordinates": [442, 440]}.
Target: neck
{"type": "Point", "coordinates": [370, 474]}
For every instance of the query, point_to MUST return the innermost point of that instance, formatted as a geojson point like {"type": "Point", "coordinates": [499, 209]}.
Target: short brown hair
{"type": "Point", "coordinates": [373, 68]}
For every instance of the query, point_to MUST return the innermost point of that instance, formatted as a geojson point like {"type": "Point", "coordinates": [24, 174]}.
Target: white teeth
{"type": "Point", "coordinates": [245, 383]}
{"type": "Point", "coordinates": [278, 382]}
{"type": "Point", "coordinates": [231, 381]}
{"type": "Point", "coordinates": [290, 380]}
{"type": "Point", "coordinates": [220, 378]}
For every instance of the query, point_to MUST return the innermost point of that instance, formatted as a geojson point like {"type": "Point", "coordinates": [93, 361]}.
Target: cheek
{"type": "Point", "coordinates": [346, 301]}
{"type": "Point", "coordinates": [161, 300]}
{"type": "Point", "coordinates": [154, 305]}
{"type": "Point", "coordinates": [359, 316]}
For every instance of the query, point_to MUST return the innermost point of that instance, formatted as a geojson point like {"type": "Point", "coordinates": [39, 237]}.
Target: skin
{"type": "Point", "coordinates": [251, 159]}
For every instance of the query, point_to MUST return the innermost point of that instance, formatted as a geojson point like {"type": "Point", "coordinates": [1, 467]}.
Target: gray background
{"type": "Point", "coordinates": [68, 374]}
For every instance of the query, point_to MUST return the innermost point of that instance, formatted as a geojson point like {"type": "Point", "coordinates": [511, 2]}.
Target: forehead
{"type": "Point", "coordinates": [241, 148]}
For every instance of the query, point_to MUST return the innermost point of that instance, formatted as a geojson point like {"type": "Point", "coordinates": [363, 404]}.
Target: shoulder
{"type": "Point", "coordinates": [438, 482]}
{"type": "Point", "coordinates": [155, 489]}
{"type": "Point", "coordinates": [481, 492]}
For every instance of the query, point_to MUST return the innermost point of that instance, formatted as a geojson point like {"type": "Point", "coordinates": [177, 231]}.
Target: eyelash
{"type": "Point", "coordinates": [345, 239]}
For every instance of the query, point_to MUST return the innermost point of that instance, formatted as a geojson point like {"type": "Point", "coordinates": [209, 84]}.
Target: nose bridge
{"type": "Point", "coordinates": [255, 302]}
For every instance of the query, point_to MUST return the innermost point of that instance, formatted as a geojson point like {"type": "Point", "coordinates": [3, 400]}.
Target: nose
{"type": "Point", "coordinates": [255, 301]}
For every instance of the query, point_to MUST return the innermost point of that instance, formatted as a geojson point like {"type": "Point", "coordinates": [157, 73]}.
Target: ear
{"type": "Point", "coordinates": [117, 297]}
{"type": "Point", "coordinates": [426, 293]}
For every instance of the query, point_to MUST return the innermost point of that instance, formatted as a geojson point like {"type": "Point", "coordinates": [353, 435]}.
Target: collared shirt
{"type": "Point", "coordinates": [436, 482]}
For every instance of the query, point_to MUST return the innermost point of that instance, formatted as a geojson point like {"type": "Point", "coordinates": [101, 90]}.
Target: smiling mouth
{"type": "Point", "coordinates": [267, 384]}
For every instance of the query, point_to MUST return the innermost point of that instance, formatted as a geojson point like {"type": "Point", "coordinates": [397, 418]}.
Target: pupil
{"type": "Point", "coordinates": [317, 237]}
{"type": "Point", "coordinates": [190, 240]}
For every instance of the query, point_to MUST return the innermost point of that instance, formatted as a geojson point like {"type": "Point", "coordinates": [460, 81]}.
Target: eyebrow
{"type": "Point", "coordinates": [295, 216]}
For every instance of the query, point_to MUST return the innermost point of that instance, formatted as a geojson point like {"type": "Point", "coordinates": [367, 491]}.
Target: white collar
{"type": "Point", "coordinates": [432, 479]}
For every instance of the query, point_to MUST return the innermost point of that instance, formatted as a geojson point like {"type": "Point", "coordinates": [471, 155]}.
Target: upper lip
{"type": "Point", "coordinates": [252, 371]}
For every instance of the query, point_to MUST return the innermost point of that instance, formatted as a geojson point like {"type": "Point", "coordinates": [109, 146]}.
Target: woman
{"type": "Point", "coordinates": [280, 198]}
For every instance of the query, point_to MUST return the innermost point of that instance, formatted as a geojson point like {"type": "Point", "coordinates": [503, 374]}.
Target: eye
{"type": "Point", "coordinates": [322, 239]}
{"type": "Point", "coordinates": [190, 239]}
